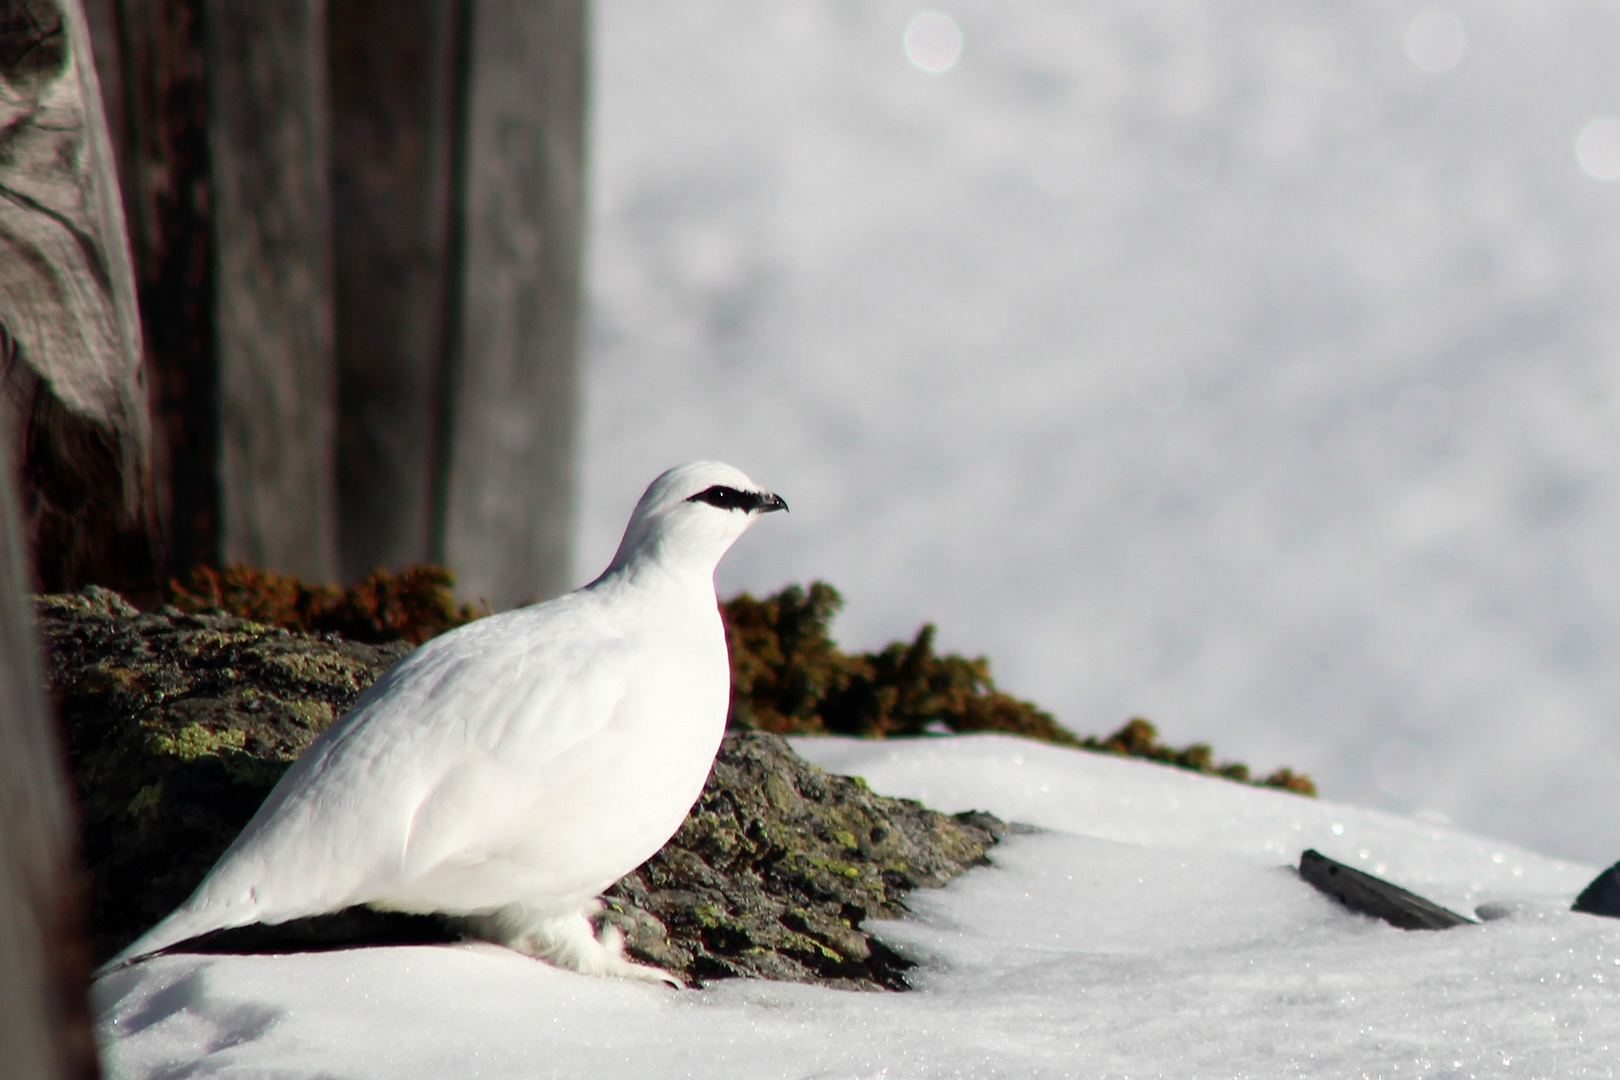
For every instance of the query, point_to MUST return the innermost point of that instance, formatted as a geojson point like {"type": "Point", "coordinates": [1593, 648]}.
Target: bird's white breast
{"type": "Point", "coordinates": [561, 773]}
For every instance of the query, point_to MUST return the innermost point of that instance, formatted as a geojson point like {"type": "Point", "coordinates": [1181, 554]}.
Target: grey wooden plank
{"type": "Point", "coordinates": [69, 332]}
{"type": "Point", "coordinates": [150, 54]}
{"type": "Point", "coordinates": [33, 825]}
{"type": "Point", "coordinates": [266, 65]}
{"type": "Point", "coordinates": [508, 482]}
{"type": "Point", "coordinates": [393, 90]}
{"type": "Point", "coordinates": [44, 1019]}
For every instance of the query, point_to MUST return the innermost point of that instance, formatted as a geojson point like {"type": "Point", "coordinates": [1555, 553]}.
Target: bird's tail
{"type": "Point", "coordinates": [200, 915]}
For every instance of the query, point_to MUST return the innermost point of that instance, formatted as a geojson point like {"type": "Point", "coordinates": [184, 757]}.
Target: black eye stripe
{"type": "Point", "coordinates": [729, 498]}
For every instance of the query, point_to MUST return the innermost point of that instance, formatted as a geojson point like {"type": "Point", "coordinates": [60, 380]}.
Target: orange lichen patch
{"type": "Point", "coordinates": [411, 604]}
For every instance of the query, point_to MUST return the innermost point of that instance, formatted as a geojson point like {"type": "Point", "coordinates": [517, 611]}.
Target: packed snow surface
{"type": "Point", "coordinates": [1152, 928]}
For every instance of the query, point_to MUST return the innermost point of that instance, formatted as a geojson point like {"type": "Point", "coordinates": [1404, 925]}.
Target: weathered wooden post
{"type": "Point", "coordinates": [364, 344]}
{"type": "Point", "coordinates": [507, 496]}
{"type": "Point", "coordinates": [70, 360]}
{"type": "Point", "coordinates": [222, 133]}
{"type": "Point", "coordinates": [44, 961]}
{"type": "Point", "coordinates": [266, 74]}
{"type": "Point", "coordinates": [150, 56]}
{"type": "Point", "coordinates": [459, 187]}
{"type": "Point", "coordinates": [395, 77]}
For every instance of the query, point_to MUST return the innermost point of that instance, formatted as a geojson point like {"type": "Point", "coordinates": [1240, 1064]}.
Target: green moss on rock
{"type": "Point", "coordinates": [779, 866]}
{"type": "Point", "coordinates": [787, 676]}
{"type": "Point", "coordinates": [1140, 739]}
{"type": "Point", "coordinates": [178, 724]}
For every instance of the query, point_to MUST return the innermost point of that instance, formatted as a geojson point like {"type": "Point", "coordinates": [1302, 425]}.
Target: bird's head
{"type": "Point", "coordinates": [692, 514]}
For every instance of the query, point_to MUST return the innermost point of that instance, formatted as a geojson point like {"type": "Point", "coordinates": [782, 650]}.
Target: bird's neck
{"type": "Point", "coordinates": [677, 583]}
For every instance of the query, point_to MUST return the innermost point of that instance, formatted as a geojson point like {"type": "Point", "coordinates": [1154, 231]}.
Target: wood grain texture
{"type": "Point", "coordinates": [507, 499]}
{"type": "Point", "coordinates": [364, 348]}
{"type": "Point", "coordinates": [70, 363]}
{"type": "Point", "coordinates": [150, 55]}
{"type": "Point", "coordinates": [266, 65]}
{"type": "Point", "coordinates": [44, 1021]}
{"type": "Point", "coordinates": [394, 67]}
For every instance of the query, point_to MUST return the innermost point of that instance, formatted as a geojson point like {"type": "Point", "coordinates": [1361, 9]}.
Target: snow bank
{"type": "Point", "coordinates": [1152, 930]}
{"type": "Point", "coordinates": [1172, 810]}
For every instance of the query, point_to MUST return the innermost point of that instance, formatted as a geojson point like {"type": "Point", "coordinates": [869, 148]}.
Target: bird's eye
{"type": "Point", "coordinates": [726, 498]}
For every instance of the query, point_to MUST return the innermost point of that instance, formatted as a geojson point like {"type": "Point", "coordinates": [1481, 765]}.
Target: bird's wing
{"type": "Point", "coordinates": [522, 687]}
{"type": "Point", "coordinates": [520, 821]}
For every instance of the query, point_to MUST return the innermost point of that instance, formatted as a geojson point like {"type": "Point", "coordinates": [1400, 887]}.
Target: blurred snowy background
{"type": "Point", "coordinates": [1251, 367]}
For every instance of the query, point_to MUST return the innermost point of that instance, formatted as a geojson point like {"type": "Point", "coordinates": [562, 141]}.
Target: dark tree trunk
{"type": "Point", "coordinates": [45, 1029]}
{"type": "Point", "coordinates": [69, 332]}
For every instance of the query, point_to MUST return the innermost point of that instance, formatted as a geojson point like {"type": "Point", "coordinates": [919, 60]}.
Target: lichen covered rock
{"type": "Point", "coordinates": [178, 724]}
{"type": "Point", "coordinates": [788, 676]}
{"type": "Point", "coordinates": [176, 727]}
{"type": "Point", "coordinates": [779, 865]}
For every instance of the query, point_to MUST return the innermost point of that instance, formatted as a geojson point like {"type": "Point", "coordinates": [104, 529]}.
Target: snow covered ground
{"type": "Point", "coordinates": [1150, 931]}
{"type": "Point", "coordinates": [1253, 367]}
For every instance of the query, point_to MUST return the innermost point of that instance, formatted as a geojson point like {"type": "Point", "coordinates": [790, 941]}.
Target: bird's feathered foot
{"type": "Point", "coordinates": [567, 941]}
{"type": "Point", "coordinates": [612, 940]}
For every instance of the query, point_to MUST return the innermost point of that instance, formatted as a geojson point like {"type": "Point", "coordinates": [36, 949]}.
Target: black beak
{"type": "Point", "coordinates": [767, 503]}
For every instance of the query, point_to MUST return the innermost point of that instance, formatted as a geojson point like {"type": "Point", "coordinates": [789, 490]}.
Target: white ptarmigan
{"type": "Point", "coordinates": [509, 771]}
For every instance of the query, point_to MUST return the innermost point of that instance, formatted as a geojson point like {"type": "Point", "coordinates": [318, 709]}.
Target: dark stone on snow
{"type": "Point", "coordinates": [1368, 895]}
{"type": "Point", "coordinates": [178, 725]}
{"type": "Point", "coordinates": [1602, 897]}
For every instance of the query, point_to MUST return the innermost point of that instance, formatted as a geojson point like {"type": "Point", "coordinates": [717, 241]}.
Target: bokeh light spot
{"type": "Point", "coordinates": [1436, 41]}
{"type": "Point", "coordinates": [1598, 148]}
{"type": "Point", "coordinates": [933, 42]}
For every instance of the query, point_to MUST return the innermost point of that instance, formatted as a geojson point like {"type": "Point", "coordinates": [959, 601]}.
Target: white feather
{"type": "Point", "coordinates": [512, 769]}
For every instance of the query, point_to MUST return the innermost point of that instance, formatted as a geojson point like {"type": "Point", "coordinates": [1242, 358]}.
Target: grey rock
{"type": "Point", "coordinates": [178, 725]}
